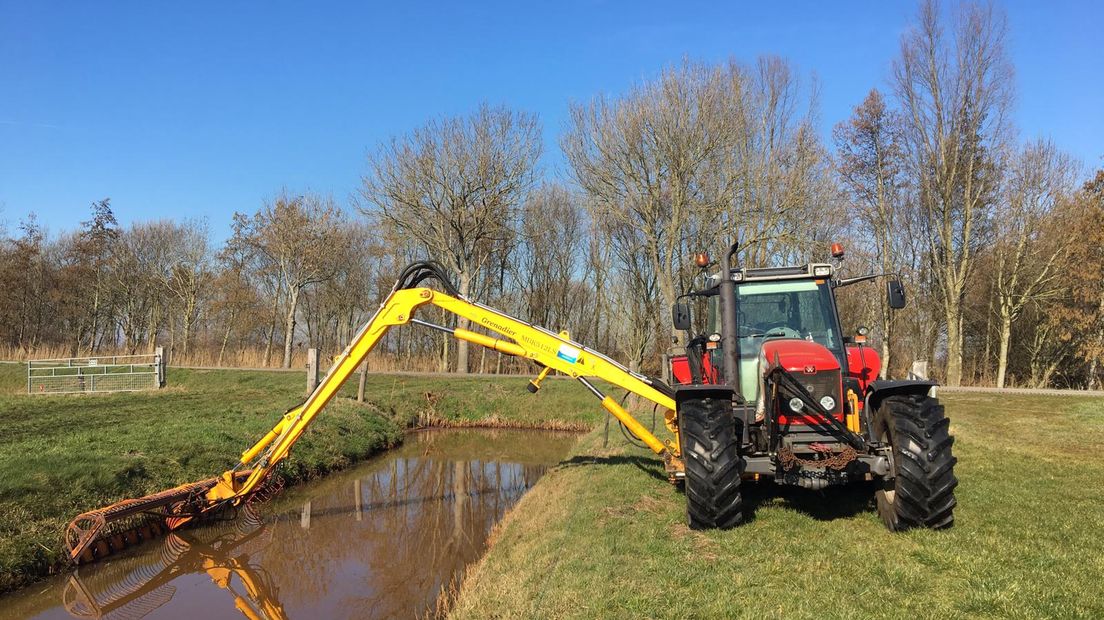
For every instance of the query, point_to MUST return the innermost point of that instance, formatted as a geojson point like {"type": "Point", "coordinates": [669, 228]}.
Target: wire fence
{"type": "Point", "coordinates": [113, 373]}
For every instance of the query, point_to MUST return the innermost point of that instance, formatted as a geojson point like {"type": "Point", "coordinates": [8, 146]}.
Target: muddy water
{"type": "Point", "coordinates": [379, 540]}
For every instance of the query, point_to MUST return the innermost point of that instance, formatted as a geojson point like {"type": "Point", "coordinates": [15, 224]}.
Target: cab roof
{"type": "Point", "coordinates": [768, 274]}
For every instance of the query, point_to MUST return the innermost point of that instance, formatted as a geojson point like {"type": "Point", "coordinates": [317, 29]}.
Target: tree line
{"type": "Point", "coordinates": [998, 237]}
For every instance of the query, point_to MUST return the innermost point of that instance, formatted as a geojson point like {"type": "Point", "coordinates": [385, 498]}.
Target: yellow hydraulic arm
{"type": "Point", "coordinates": [521, 339]}
{"type": "Point", "coordinates": [96, 533]}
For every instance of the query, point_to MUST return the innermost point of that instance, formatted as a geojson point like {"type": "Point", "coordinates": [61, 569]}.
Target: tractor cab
{"type": "Point", "coordinates": [773, 305]}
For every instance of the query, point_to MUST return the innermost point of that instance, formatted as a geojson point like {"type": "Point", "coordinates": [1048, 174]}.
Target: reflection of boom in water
{"type": "Point", "coordinates": [131, 588]}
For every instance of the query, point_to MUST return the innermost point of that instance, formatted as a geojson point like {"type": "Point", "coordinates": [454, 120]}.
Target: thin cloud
{"type": "Point", "coordinates": [39, 125]}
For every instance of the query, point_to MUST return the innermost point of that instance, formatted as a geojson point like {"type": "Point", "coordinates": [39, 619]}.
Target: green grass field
{"type": "Point", "coordinates": [603, 536]}
{"type": "Point", "coordinates": [62, 455]}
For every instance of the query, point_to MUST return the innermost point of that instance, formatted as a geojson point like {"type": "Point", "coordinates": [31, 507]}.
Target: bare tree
{"type": "Point", "coordinates": [1079, 312]}
{"type": "Point", "coordinates": [235, 298]}
{"type": "Point", "coordinates": [694, 158]}
{"type": "Point", "coordinates": [1026, 267]}
{"type": "Point", "coordinates": [291, 237]}
{"type": "Point", "coordinates": [552, 236]}
{"type": "Point", "coordinates": [136, 264]}
{"type": "Point", "coordinates": [454, 186]}
{"type": "Point", "coordinates": [87, 272]}
{"type": "Point", "coordinates": [654, 160]}
{"type": "Point", "coordinates": [956, 91]}
{"type": "Point", "coordinates": [870, 165]}
{"type": "Point", "coordinates": [785, 202]}
{"type": "Point", "coordinates": [189, 273]}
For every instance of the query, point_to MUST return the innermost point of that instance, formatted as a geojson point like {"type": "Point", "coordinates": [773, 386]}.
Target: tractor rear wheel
{"type": "Point", "coordinates": [711, 455]}
{"type": "Point", "coordinates": [921, 491]}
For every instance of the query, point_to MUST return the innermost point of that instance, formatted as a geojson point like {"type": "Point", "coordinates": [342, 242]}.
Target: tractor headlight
{"type": "Point", "coordinates": [822, 271]}
{"type": "Point", "coordinates": [828, 403]}
{"type": "Point", "coordinates": [796, 405]}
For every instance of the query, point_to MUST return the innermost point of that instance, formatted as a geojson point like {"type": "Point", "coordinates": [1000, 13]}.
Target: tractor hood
{"type": "Point", "coordinates": [802, 358]}
{"type": "Point", "coordinates": [798, 356]}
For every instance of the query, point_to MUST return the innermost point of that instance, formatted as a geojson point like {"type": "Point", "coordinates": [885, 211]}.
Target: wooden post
{"type": "Point", "coordinates": [312, 370]}
{"type": "Point", "coordinates": [305, 516]}
{"type": "Point", "coordinates": [159, 352]}
{"type": "Point", "coordinates": [363, 378]}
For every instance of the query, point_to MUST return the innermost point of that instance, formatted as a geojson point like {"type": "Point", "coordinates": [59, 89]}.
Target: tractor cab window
{"type": "Point", "coordinates": [794, 309]}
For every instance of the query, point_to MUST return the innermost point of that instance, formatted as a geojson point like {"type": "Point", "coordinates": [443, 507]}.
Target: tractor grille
{"type": "Point", "coordinates": [821, 384]}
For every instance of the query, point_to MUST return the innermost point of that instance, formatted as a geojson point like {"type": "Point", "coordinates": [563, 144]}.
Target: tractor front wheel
{"type": "Point", "coordinates": [921, 491]}
{"type": "Point", "coordinates": [710, 452]}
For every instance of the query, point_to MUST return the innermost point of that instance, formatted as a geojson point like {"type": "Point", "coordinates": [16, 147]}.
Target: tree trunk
{"type": "Point", "coordinates": [1094, 362]}
{"type": "Point", "coordinates": [667, 290]}
{"type": "Point", "coordinates": [189, 313]}
{"type": "Point", "coordinates": [988, 335]}
{"type": "Point", "coordinates": [289, 324]}
{"type": "Point", "coordinates": [272, 324]}
{"type": "Point", "coordinates": [1005, 340]}
{"type": "Point", "coordinates": [225, 338]}
{"type": "Point", "coordinates": [444, 363]}
{"type": "Point", "coordinates": [954, 344]}
{"type": "Point", "coordinates": [463, 323]}
{"type": "Point", "coordinates": [887, 336]}
{"type": "Point", "coordinates": [95, 317]}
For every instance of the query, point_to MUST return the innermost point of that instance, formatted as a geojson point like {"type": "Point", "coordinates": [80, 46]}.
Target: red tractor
{"type": "Point", "coordinates": [769, 387]}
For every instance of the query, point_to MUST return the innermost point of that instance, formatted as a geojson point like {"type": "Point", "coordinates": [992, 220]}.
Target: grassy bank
{"type": "Point", "coordinates": [603, 536]}
{"type": "Point", "coordinates": [61, 455]}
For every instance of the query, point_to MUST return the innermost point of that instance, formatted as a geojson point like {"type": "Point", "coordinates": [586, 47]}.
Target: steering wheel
{"type": "Point", "coordinates": [782, 331]}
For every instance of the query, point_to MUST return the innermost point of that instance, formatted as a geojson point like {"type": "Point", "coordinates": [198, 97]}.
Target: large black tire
{"type": "Point", "coordinates": [711, 454]}
{"type": "Point", "coordinates": [921, 491]}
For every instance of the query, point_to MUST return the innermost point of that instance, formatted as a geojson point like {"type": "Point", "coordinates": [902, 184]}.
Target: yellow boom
{"type": "Point", "coordinates": [550, 350]}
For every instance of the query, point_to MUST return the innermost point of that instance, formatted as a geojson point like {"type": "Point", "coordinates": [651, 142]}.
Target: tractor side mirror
{"type": "Point", "coordinates": [895, 294]}
{"type": "Point", "coordinates": [680, 316]}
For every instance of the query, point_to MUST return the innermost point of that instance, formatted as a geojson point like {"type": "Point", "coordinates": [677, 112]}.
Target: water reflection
{"type": "Point", "coordinates": [377, 541]}
{"type": "Point", "coordinates": [137, 586]}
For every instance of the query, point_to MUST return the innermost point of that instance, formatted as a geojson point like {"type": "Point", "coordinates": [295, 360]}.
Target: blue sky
{"type": "Point", "coordinates": [209, 108]}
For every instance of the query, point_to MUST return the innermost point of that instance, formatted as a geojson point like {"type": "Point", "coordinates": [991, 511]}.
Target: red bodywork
{"type": "Point", "coordinates": [803, 358]}
{"type": "Point", "coordinates": [680, 370]}
{"type": "Point", "coordinates": [864, 364]}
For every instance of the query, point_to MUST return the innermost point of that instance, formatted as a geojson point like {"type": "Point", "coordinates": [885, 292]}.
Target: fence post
{"type": "Point", "coordinates": [159, 360]}
{"type": "Point", "coordinates": [312, 370]}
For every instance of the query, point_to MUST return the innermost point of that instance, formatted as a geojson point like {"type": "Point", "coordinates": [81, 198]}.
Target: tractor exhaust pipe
{"type": "Point", "coordinates": [730, 353]}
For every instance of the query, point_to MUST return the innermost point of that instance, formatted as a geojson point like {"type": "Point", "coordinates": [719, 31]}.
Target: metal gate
{"type": "Point", "coordinates": [109, 373]}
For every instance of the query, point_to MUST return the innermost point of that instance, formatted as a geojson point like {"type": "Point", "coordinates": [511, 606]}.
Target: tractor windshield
{"type": "Point", "coordinates": [794, 309]}
{"type": "Point", "coordinates": [789, 309]}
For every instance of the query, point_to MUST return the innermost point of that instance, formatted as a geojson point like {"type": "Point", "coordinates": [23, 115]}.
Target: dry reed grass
{"type": "Point", "coordinates": [430, 417]}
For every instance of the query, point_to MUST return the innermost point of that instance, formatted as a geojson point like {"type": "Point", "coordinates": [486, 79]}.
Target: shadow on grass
{"type": "Point", "coordinates": [648, 465]}
{"type": "Point", "coordinates": [835, 502]}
